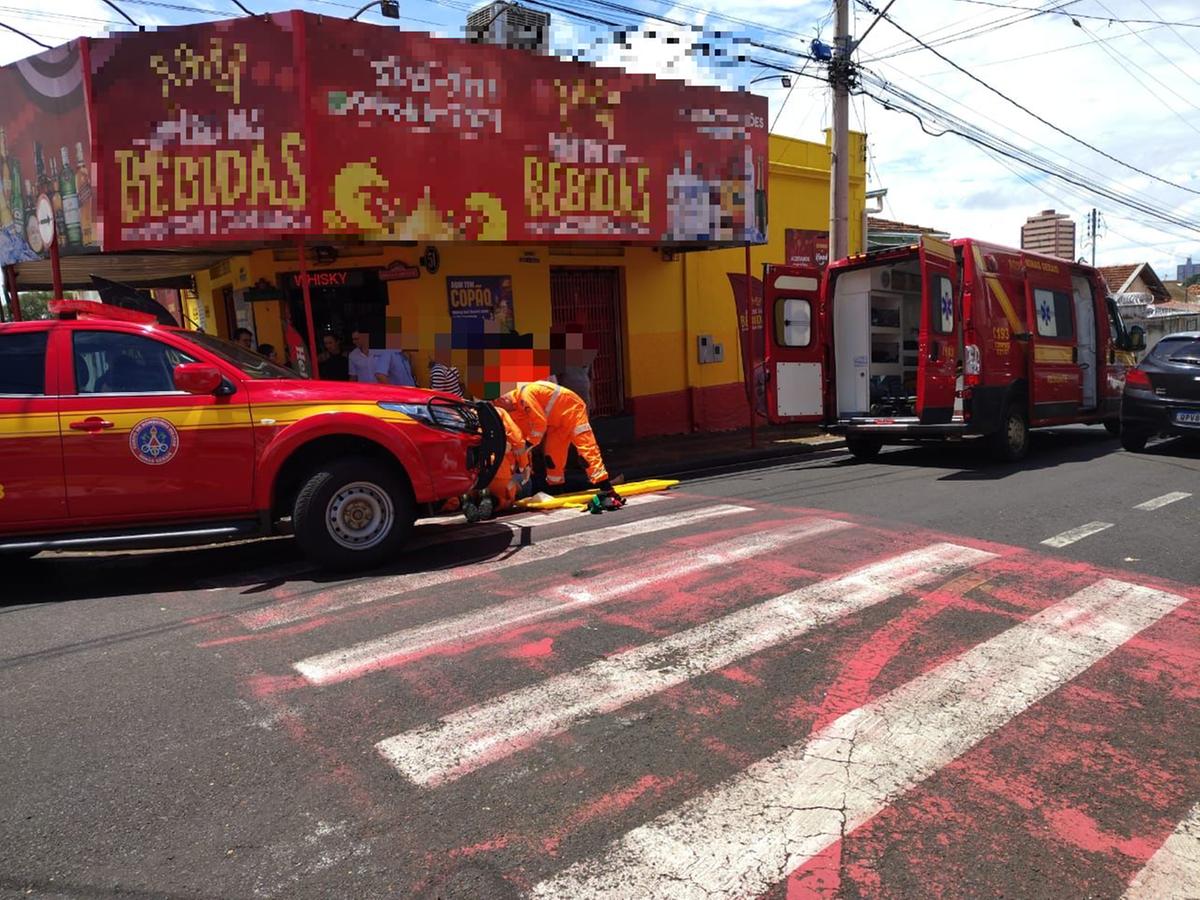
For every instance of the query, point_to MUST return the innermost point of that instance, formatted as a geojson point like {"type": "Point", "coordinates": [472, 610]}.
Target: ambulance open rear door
{"type": "Point", "coordinates": [796, 357]}
{"type": "Point", "coordinates": [939, 333]}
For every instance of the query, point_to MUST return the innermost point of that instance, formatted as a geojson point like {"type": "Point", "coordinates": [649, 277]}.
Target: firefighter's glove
{"type": "Point", "coordinates": [610, 500]}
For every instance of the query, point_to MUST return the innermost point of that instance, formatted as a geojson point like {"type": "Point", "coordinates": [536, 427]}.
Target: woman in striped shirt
{"type": "Point", "coordinates": [445, 378]}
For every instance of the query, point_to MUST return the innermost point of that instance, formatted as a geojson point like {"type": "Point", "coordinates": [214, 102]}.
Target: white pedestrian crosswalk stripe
{"type": "Point", "coordinates": [1173, 872]}
{"type": "Point", "coordinates": [376, 654]}
{"type": "Point", "coordinates": [1164, 500]}
{"type": "Point", "coordinates": [1077, 534]}
{"type": "Point", "coordinates": [745, 835]}
{"type": "Point", "coordinates": [432, 532]}
{"type": "Point", "coordinates": [469, 739]}
{"type": "Point", "coordinates": [376, 589]}
{"type": "Point", "coordinates": [750, 833]}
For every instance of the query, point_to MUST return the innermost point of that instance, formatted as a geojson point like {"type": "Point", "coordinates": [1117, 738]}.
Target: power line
{"type": "Point", "coordinates": [1110, 19]}
{"type": "Point", "coordinates": [1129, 70]}
{"type": "Point", "coordinates": [1164, 56]}
{"type": "Point", "coordinates": [920, 110]}
{"type": "Point", "coordinates": [1027, 110]}
{"type": "Point", "coordinates": [1185, 41]}
{"type": "Point", "coordinates": [24, 35]}
{"type": "Point", "coordinates": [967, 34]}
{"type": "Point", "coordinates": [1041, 53]}
{"type": "Point", "coordinates": [121, 11]}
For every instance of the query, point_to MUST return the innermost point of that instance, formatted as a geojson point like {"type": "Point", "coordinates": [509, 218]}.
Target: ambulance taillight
{"type": "Point", "coordinates": [972, 364]}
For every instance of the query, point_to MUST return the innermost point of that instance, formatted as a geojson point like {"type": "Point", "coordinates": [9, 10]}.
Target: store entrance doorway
{"type": "Point", "coordinates": [591, 298]}
{"type": "Point", "coordinates": [342, 300]}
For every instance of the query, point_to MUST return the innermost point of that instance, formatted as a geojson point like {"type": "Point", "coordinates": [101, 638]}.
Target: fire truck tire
{"type": "Point", "coordinates": [1134, 440]}
{"type": "Point", "coordinates": [864, 449]}
{"type": "Point", "coordinates": [352, 513]}
{"type": "Point", "coordinates": [1011, 442]}
{"type": "Point", "coordinates": [1113, 426]}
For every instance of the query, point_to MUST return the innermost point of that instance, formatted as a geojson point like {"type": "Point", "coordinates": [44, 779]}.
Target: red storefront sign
{"type": "Point", "coordinates": [806, 248]}
{"type": "Point", "coordinates": [430, 139]}
{"type": "Point", "coordinates": [45, 150]}
{"type": "Point", "coordinates": [276, 126]}
{"type": "Point", "coordinates": [201, 135]}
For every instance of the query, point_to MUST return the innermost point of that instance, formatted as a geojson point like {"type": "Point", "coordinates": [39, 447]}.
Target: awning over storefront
{"type": "Point", "coordinates": [144, 270]}
{"type": "Point", "coordinates": [295, 125]}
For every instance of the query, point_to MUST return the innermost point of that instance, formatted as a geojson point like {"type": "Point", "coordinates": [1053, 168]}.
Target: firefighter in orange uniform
{"type": "Point", "coordinates": [515, 470]}
{"type": "Point", "coordinates": [550, 413]}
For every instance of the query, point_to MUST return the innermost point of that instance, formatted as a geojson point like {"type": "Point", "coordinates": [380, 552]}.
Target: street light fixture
{"type": "Point", "coordinates": [389, 9]}
{"type": "Point", "coordinates": [784, 80]}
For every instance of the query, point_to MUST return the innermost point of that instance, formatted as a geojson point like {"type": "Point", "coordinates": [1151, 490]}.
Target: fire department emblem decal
{"type": "Point", "coordinates": [154, 441]}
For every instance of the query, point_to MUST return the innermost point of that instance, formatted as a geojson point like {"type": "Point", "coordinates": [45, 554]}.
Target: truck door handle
{"type": "Point", "coordinates": [91, 423]}
{"type": "Point", "coordinates": [935, 351]}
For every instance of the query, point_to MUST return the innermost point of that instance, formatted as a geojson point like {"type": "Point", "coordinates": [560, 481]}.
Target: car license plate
{"type": "Point", "coordinates": [1188, 417]}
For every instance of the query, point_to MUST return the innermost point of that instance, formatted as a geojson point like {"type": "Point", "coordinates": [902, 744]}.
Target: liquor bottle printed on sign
{"type": "Point", "coordinates": [70, 200]}
{"type": "Point", "coordinates": [18, 198]}
{"type": "Point", "coordinates": [6, 213]}
{"type": "Point", "coordinates": [33, 234]}
{"type": "Point", "coordinates": [56, 201]}
{"type": "Point", "coordinates": [83, 187]}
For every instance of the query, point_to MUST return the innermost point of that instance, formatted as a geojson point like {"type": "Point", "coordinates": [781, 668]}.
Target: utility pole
{"type": "Point", "coordinates": [1093, 225]}
{"type": "Point", "coordinates": [839, 172]}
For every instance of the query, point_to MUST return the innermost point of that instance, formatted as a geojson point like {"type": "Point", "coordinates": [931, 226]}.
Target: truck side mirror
{"type": "Point", "coordinates": [1137, 338]}
{"type": "Point", "coordinates": [197, 378]}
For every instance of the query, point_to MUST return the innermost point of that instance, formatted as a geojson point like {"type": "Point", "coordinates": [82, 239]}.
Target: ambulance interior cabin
{"type": "Point", "coordinates": [876, 322]}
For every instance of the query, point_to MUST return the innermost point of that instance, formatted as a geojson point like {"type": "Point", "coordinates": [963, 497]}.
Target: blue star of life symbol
{"type": "Point", "coordinates": [1044, 312]}
{"type": "Point", "coordinates": [947, 308]}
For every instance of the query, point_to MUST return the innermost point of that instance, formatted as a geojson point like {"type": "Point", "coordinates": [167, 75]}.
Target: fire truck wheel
{"type": "Point", "coordinates": [1113, 426]}
{"type": "Point", "coordinates": [1133, 440]}
{"type": "Point", "coordinates": [864, 449]}
{"type": "Point", "coordinates": [352, 514]}
{"type": "Point", "coordinates": [1011, 442]}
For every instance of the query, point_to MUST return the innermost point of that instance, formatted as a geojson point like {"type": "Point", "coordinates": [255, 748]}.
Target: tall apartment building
{"type": "Point", "coordinates": [1186, 270]}
{"type": "Point", "coordinates": [1049, 232]}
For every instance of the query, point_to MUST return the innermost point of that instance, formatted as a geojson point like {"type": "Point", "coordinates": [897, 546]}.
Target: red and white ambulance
{"type": "Point", "coordinates": [941, 341]}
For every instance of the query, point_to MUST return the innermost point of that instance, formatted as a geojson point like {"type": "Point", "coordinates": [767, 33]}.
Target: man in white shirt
{"type": "Point", "coordinates": [378, 366]}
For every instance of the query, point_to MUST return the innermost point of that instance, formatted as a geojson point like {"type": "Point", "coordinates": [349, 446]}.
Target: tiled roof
{"type": "Point", "coordinates": [875, 224]}
{"type": "Point", "coordinates": [1117, 276]}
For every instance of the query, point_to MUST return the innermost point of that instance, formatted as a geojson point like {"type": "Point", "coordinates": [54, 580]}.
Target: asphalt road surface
{"type": "Point", "coordinates": [927, 676]}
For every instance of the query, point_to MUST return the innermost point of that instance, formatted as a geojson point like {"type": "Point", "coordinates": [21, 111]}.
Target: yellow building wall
{"type": "Point", "coordinates": [668, 300]}
{"type": "Point", "coordinates": [798, 197]}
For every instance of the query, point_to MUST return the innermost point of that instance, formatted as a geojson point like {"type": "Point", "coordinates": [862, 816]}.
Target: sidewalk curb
{"type": "Point", "coordinates": [731, 460]}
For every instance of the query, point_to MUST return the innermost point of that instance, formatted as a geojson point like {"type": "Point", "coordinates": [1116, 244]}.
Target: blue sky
{"type": "Point", "coordinates": [1131, 90]}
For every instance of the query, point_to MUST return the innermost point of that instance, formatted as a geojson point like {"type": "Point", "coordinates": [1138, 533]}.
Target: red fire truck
{"type": "Point", "coordinates": [941, 341]}
{"type": "Point", "coordinates": [118, 432]}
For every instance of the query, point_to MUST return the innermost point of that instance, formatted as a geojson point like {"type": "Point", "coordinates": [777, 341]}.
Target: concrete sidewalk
{"type": "Point", "coordinates": [679, 454]}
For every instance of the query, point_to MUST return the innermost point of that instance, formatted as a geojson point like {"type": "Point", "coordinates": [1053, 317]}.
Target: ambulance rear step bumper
{"type": "Point", "coordinates": [905, 427]}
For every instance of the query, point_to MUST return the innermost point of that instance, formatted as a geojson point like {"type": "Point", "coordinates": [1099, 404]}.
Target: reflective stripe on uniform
{"type": "Point", "coordinates": [556, 479]}
{"type": "Point", "coordinates": [553, 399]}
{"type": "Point", "coordinates": [580, 429]}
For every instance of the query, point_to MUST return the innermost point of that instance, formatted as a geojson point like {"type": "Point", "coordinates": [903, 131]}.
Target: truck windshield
{"type": "Point", "coordinates": [251, 364]}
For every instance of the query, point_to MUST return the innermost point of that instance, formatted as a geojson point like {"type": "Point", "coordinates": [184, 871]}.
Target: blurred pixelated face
{"type": "Point", "coordinates": [361, 340]}
{"type": "Point", "coordinates": [246, 341]}
{"type": "Point", "coordinates": [332, 344]}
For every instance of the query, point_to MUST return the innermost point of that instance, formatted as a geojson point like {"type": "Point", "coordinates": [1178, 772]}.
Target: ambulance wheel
{"type": "Point", "coordinates": [1113, 427]}
{"type": "Point", "coordinates": [864, 449]}
{"type": "Point", "coordinates": [1134, 440]}
{"type": "Point", "coordinates": [1011, 442]}
{"type": "Point", "coordinates": [353, 514]}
